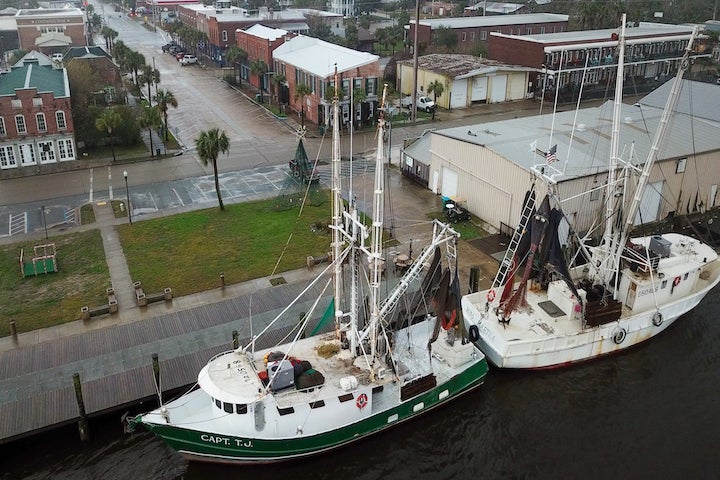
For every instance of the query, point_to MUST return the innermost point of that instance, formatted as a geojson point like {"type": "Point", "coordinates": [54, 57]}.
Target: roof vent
{"type": "Point", "coordinates": [581, 127]}
{"type": "Point", "coordinates": [628, 120]}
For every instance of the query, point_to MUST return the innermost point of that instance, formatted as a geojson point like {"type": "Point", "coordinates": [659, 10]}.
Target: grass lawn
{"type": "Point", "coordinates": [50, 299]}
{"type": "Point", "coordinates": [188, 252]}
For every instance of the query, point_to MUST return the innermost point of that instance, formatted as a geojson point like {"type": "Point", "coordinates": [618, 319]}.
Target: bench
{"type": "Point", "coordinates": [87, 312]}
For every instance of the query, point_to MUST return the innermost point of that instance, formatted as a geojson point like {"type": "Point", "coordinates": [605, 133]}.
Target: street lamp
{"type": "Point", "coordinates": [44, 221]}
{"type": "Point", "coordinates": [127, 194]}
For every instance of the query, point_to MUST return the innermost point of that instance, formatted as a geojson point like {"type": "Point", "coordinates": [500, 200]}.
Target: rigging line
{"type": "Point", "coordinates": [577, 110]}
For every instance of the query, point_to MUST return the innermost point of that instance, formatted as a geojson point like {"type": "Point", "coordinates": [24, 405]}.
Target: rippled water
{"type": "Point", "coordinates": [653, 412]}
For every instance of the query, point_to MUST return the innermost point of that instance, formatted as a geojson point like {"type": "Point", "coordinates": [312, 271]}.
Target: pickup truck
{"type": "Point", "coordinates": [423, 103]}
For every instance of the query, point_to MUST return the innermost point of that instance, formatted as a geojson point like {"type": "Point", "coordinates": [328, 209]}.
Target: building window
{"type": "Point", "coordinates": [680, 165]}
{"type": "Point", "coordinates": [3, 132]}
{"type": "Point", "coordinates": [60, 118]}
{"type": "Point", "coordinates": [483, 35]}
{"type": "Point", "coordinates": [371, 86]}
{"type": "Point", "coordinates": [224, 36]}
{"type": "Point", "coordinates": [464, 36]}
{"type": "Point", "coordinates": [16, 103]}
{"type": "Point", "coordinates": [542, 30]}
{"type": "Point", "coordinates": [41, 125]}
{"type": "Point", "coordinates": [37, 102]}
{"type": "Point", "coordinates": [47, 153]}
{"type": "Point", "coordinates": [65, 148]}
{"type": "Point", "coordinates": [20, 124]}
{"type": "Point", "coordinates": [472, 35]}
{"type": "Point", "coordinates": [529, 30]}
{"type": "Point", "coordinates": [7, 157]}
{"type": "Point", "coordinates": [27, 154]}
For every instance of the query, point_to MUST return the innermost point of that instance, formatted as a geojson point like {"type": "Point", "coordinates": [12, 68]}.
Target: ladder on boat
{"type": "Point", "coordinates": [505, 265]}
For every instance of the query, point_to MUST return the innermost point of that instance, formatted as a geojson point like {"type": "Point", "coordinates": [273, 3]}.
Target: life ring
{"type": "Point", "coordinates": [657, 319]}
{"type": "Point", "coordinates": [491, 295]}
{"type": "Point", "coordinates": [676, 282]}
{"type": "Point", "coordinates": [361, 401]}
{"type": "Point", "coordinates": [447, 323]}
{"type": "Point", "coordinates": [619, 336]}
{"type": "Point", "coordinates": [474, 333]}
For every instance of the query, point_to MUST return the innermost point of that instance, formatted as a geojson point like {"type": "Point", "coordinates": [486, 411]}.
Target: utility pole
{"type": "Point", "coordinates": [413, 106]}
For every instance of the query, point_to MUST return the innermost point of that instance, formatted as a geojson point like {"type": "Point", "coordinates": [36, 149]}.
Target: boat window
{"type": "Point", "coordinates": [228, 407]}
{"type": "Point", "coordinates": [686, 275]}
{"type": "Point", "coordinates": [286, 411]}
{"type": "Point", "coordinates": [241, 408]}
{"type": "Point", "coordinates": [218, 403]}
{"type": "Point", "coordinates": [346, 398]}
{"type": "Point", "coordinates": [378, 389]}
{"type": "Point", "coordinates": [664, 284]}
{"type": "Point", "coordinates": [317, 404]}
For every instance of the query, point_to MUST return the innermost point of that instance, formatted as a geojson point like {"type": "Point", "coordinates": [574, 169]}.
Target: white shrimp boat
{"type": "Point", "coordinates": [376, 369]}
{"type": "Point", "coordinates": [548, 307]}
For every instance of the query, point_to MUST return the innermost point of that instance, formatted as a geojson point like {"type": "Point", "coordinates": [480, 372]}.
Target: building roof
{"type": "Point", "coordinates": [644, 30]}
{"type": "Point", "coordinates": [49, 12]}
{"type": "Point", "coordinates": [268, 33]}
{"type": "Point", "coordinates": [419, 150]}
{"type": "Point", "coordinates": [31, 75]}
{"type": "Point", "coordinates": [34, 56]}
{"type": "Point", "coordinates": [697, 99]}
{"type": "Point", "coordinates": [492, 20]}
{"type": "Point", "coordinates": [319, 58]}
{"type": "Point", "coordinates": [590, 149]}
{"type": "Point", "coordinates": [85, 52]}
{"type": "Point", "coordinates": [496, 7]}
{"type": "Point", "coordinates": [461, 66]}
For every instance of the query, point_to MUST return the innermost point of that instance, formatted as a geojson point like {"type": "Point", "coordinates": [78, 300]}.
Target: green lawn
{"type": "Point", "coordinates": [188, 252]}
{"type": "Point", "coordinates": [54, 298]}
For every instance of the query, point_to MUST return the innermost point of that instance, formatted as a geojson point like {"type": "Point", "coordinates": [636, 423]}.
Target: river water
{"type": "Point", "coordinates": [652, 412]}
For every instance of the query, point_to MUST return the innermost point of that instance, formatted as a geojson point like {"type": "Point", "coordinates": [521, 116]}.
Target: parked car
{"type": "Point", "coordinates": [188, 59]}
{"type": "Point", "coordinates": [179, 55]}
{"type": "Point", "coordinates": [166, 48]}
{"type": "Point", "coordinates": [173, 49]}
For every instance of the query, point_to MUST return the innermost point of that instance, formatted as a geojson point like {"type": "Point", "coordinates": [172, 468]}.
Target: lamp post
{"type": "Point", "coordinates": [44, 221]}
{"type": "Point", "coordinates": [112, 143]}
{"type": "Point", "coordinates": [127, 195]}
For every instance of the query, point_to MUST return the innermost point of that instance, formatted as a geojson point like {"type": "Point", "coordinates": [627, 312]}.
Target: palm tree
{"type": "Point", "coordinates": [149, 76]}
{"type": "Point", "coordinates": [165, 99]}
{"type": "Point", "coordinates": [259, 67]}
{"type": "Point", "coordinates": [301, 91]}
{"type": "Point", "coordinates": [279, 81]}
{"type": "Point", "coordinates": [209, 145]}
{"type": "Point", "coordinates": [108, 121]}
{"type": "Point", "coordinates": [235, 56]}
{"type": "Point", "coordinates": [359, 96]}
{"type": "Point", "coordinates": [134, 62]}
{"type": "Point", "coordinates": [150, 119]}
{"type": "Point", "coordinates": [437, 88]}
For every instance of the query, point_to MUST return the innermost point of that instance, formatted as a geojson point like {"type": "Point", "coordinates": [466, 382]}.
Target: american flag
{"type": "Point", "coordinates": [551, 155]}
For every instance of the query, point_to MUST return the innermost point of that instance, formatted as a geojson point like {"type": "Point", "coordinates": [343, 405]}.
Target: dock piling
{"type": "Point", "coordinates": [83, 426]}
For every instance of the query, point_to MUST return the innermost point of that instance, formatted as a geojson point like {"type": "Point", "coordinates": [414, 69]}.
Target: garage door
{"type": "Point", "coordinates": [499, 85]}
{"type": "Point", "coordinates": [449, 182]}
{"type": "Point", "coordinates": [458, 94]}
{"type": "Point", "coordinates": [650, 204]}
{"type": "Point", "coordinates": [479, 89]}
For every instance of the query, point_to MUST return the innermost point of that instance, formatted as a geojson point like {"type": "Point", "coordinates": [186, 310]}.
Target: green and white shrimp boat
{"type": "Point", "coordinates": [385, 362]}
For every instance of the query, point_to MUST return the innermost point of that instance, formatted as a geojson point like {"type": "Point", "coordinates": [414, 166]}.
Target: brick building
{"type": "Point", "coordinates": [259, 42]}
{"type": "Point", "coordinates": [36, 127]}
{"type": "Point", "coordinates": [566, 60]}
{"type": "Point", "coordinates": [50, 30]}
{"type": "Point", "coordinates": [103, 65]}
{"type": "Point", "coordinates": [473, 32]}
{"type": "Point", "coordinates": [310, 61]}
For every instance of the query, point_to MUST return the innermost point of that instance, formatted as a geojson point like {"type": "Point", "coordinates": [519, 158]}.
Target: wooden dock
{"type": "Point", "coordinates": [115, 363]}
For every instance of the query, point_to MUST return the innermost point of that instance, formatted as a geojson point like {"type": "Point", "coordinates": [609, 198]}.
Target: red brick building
{"type": "Point", "coordinates": [310, 61]}
{"type": "Point", "coordinates": [36, 127]}
{"type": "Point", "coordinates": [51, 30]}
{"type": "Point", "coordinates": [473, 32]}
{"type": "Point", "coordinates": [259, 42]}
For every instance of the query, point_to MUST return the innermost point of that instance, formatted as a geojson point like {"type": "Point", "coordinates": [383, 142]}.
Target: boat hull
{"type": "Point", "coordinates": [209, 447]}
{"type": "Point", "coordinates": [504, 350]}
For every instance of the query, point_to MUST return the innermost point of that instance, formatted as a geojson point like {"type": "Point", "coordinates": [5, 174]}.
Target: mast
{"type": "Point", "coordinates": [609, 236]}
{"type": "Point", "coordinates": [377, 230]}
{"type": "Point", "coordinates": [337, 203]}
{"type": "Point", "coordinates": [670, 105]}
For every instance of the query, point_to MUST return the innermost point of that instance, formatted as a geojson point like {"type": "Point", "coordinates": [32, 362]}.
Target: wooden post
{"type": "Point", "coordinates": [13, 331]}
{"type": "Point", "coordinates": [474, 279]}
{"type": "Point", "coordinates": [236, 341]}
{"type": "Point", "coordinates": [82, 423]}
{"type": "Point", "coordinates": [156, 374]}
{"type": "Point", "coordinates": [222, 280]}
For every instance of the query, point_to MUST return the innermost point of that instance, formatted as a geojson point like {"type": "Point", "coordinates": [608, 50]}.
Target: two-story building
{"type": "Point", "coordinates": [565, 61]}
{"type": "Point", "coordinates": [473, 32]}
{"type": "Point", "coordinates": [311, 61]}
{"type": "Point", "coordinates": [50, 30]}
{"type": "Point", "coordinates": [103, 65]}
{"type": "Point", "coordinates": [36, 128]}
{"type": "Point", "coordinates": [259, 42]}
